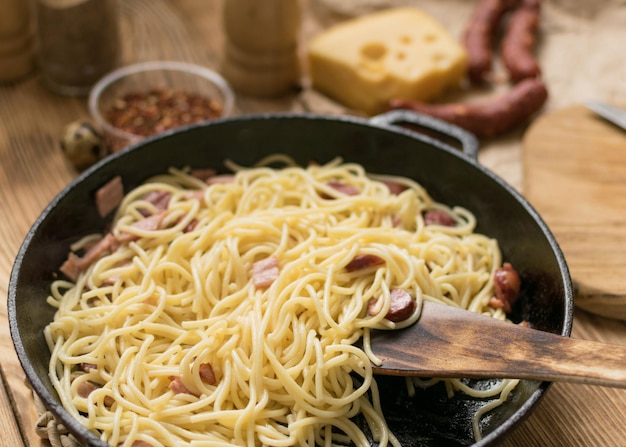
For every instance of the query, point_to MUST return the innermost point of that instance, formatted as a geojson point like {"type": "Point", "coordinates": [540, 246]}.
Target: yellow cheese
{"type": "Point", "coordinates": [396, 53]}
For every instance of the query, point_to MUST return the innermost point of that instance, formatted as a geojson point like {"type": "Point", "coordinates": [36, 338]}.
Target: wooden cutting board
{"type": "Point", "coordinates": [574, 174]}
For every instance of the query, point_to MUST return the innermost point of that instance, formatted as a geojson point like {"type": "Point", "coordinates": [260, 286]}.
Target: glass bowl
{"type": "Point", "coordinates": [148, 98]}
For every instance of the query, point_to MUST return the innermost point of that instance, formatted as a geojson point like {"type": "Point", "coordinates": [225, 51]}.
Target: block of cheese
{"type": "Point", "coordinates": [395, 53]}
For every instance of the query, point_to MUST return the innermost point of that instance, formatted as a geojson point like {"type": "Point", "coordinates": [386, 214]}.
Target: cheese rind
{"type": "Point", "coordinates": [397, 53]}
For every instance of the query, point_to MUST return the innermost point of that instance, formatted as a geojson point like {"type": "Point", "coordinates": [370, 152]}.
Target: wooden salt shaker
{"type": "Point", "coordinates": [261, 46]}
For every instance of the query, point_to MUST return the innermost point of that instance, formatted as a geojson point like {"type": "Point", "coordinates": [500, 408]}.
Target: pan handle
{"type": "Point", "coordinates": [468, 142]}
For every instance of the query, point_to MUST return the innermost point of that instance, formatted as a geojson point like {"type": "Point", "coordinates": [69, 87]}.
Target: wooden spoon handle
{"type": "Point", "coordinates": [451, 342]}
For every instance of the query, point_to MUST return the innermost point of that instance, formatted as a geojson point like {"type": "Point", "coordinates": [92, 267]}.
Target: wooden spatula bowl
{"type": "Point", "coordinates": [451, 342]}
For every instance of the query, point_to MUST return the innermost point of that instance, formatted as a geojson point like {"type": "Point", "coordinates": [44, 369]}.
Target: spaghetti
{"type": "Point", "coordinates": [231, 319]}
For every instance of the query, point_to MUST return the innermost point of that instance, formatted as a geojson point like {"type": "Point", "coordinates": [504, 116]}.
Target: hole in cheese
{"type": "Point", "coordinates": [374, 51]}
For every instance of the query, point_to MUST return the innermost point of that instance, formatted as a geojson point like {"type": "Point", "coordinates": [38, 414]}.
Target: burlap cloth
{"type": "Point", "coordinates": [48, 428]}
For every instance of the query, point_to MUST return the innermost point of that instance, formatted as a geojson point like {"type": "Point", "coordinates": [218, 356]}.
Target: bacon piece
{"type": "Point", "coordinates": [396, 220]}
{"type": "Point", "coordinates": [74, 264]}
{"type": "Point", "coordinates": [111, 280]}
{"type": "Point", "coordinates": [159, 198]}
{"type": "Point", "coordinates": [178, 387]}
{"type": "Point", "coordinates": [206, 374]}
{"type": "Point", "coordinates": [191, 226]}
{"type": "Point", "coordinates": [364, 261]}
{"type": "Point", "coordinates": [86, 367]}
{"type": "Point", "coordinates": [85, 388]}
{"type": "Point", "coordinates": [203, 174]}
{"type": "Point", "coordinates": [401, 306]}
{"type": "Point", "coordinates": [343, 188]}
{"type": "Point", "coordinates": [151, 301]}
{"type": "Point", "coordinates": [438, 217]}
{"type": "Point", "coordinates": [150, 223]}
{"type": "Point", "coordinates": [507, 285]}
{"type": "Point", "coordinates": [265, 272]}
{"type": "Point", "coordinates": [197, 194]}
{"type": "Point", "coordinates": [224, 178]}
{"type": "Point", "coordinates": [394, 187]}
{"type": "Point", "coordinates": [109, 196]}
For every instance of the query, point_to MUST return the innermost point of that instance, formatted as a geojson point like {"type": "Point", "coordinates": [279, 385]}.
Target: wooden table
{"type": "Point", "coordinates": [33, 170]}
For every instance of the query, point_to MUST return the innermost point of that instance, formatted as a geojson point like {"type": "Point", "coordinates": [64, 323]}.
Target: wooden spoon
{"type": "Point", "coordinates": [451, 342]}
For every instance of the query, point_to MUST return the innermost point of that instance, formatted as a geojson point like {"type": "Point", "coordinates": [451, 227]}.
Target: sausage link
{"type": "Point", "coordinates": [518, 42]}
{"type": "Point", "coordinates": [479, 34]}
{"type": "Point", "coordinates": [507, 285]}
{"type": "Point", "coordinates": [491, 117]}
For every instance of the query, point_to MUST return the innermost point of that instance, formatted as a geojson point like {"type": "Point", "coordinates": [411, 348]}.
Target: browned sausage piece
{"type": "Point", "coordinates": [84, 389]}
{"type": "Point", "coordinates": [88, 366]}
{"type": "Point", "coordinates": [439, 217]}
{"type": "Point", "coordinates": [491, 117]}
{"type": "Point", "coordinates": [206, 374]}
{"type": "Point", "coordinates": [159, 198]}
{"type": "Point", "coordinates": [479, 34]}
{"type": "Point", "coordinates": [394, 187]}
{"type": "Point", "coordinates": [348, 190]}
{"type": "Point", "coordinates": [401, 306]}
{"type": "Point", "coordinates": [364, 261]}
{"type": "Point", "coordinates": [518, 42]}
{"type": "Point", "coordinates": [507, 285]}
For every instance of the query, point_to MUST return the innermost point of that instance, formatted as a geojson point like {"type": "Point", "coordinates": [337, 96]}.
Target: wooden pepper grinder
{"type": "Point", "coordinates": [16, 40]}
{"type": "Point", "coordinates": [261, 46]}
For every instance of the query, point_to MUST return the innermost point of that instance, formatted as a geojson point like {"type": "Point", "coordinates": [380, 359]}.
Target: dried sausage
{"type": "Point", "coordinates": [479, 34]}
{"type": "Point", "coordinates": [518, 42]}
{"type": "Point", "coordinates": [488, 118]}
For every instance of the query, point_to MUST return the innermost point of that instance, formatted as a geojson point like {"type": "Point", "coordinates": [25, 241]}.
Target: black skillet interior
{"type": "Point", "coordinates": [428, 419]}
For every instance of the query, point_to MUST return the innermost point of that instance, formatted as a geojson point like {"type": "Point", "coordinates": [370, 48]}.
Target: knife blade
{"type": "Point", "coordinates": [610, 113]}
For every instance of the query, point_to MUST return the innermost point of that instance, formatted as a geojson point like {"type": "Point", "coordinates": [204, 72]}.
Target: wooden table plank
{"type": "Point", "coordinates": [9, 428]}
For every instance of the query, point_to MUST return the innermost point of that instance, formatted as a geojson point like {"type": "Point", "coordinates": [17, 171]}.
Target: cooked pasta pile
{"type": "Point", "coordinates": [234, 320]}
